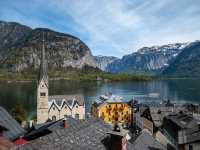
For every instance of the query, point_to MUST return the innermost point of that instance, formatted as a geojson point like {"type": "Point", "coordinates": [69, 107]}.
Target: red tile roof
{"type": "Point", "coordinates": [20, 141]}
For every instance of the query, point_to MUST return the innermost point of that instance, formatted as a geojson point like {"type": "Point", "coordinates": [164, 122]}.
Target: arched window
{"type": "Point", "coordinates": [42, 94]}
{"type": "Point", "coordinates": [54, 118]}
{"type": "Point", "coordinates": [76, 116]}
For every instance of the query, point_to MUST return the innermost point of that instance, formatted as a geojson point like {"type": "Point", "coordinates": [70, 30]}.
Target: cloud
{"type": "Point", "coordinates": [113, 27]}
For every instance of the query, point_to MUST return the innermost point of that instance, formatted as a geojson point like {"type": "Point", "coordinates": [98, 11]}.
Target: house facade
{"type": "Point", "coordinates": [182, 130]}
{"type": "Point", "coordinates": [112, 110]}
{"type": "Point", "coordinates": [61, 106]}
{"type": "Point", "coordinates": [142, 121]}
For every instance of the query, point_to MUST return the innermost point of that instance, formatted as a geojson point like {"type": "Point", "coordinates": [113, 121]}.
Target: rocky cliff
{"type": "Point", "coordinates": [187, 63]}
{"type": "Point", "coordinates": [104, 61]}
{"type": "Point", "coordinates": [20, 48]}
{"type": "Point", "coordinates": [147, 59]}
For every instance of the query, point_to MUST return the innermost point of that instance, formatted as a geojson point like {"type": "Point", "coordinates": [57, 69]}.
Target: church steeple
{"type": "Point", "coordinates": [43, 75]}
{"type": "Point", "coordinates": [42, 89]}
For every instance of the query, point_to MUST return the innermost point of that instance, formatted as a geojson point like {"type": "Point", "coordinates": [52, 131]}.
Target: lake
{"type": "Point", "coordinates": [179, 90]}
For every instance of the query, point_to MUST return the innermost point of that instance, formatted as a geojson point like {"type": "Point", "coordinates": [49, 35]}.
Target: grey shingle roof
{"type": "Point", "coordinates": [158, 117]}
{"type": "Point", "coordinates": [48, 127]}
{"type": "Point", "coordinates": [14, 130]}
{"type": "Point", "coordinates": [85, 135]}
{"type": "Point", "coordinates": [183, 120]}
{"type": "Point", "coordinates": [189, 136]}
{"type": "Point", "coordinates": [146, 142]}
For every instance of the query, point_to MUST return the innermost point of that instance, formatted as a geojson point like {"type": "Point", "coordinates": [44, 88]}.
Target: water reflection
{"type": "Point", "coordinates": [176, 90]}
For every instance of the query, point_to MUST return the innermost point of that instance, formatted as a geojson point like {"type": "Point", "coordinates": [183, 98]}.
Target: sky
{"type": "Point", "coordinates": [111, 27]}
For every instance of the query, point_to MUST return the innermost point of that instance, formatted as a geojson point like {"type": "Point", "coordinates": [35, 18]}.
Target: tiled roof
{"type": "Point", "coordinates": [14, 130]}
{"type": "Point", "coordinates": [49, 127]}
{"type": "Point", "coordinates": [158, 113]}
{"type": "Point", "coordinates": [104, 99]}
{"type": "Point", "coordinates": [70, 100]}
{"type": "Point", "coordinates": [184, 121]}
{"type": "Point", "coordinates": [146, 142]}
{"type": "Point", "coordinates": [87, 135]}
{"type": "Point", "coordinates": [189, 136]}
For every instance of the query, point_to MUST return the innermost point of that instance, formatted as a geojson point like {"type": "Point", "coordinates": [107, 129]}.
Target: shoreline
{"type": "Point", "coordinates": [103, 80]}
{"type": "Point", "coordinates": [136, 79]}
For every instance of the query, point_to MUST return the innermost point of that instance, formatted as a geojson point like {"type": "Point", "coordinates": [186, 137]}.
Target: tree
{"type": "Point", "coordinates": [19, 113]}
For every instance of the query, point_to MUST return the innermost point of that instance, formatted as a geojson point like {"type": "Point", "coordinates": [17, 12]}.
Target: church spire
{"type": "Point", "coordinates": [43, 65]}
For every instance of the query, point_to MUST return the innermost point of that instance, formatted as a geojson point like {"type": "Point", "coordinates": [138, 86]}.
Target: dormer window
{"type": "Point", "coordinates": [42, 94]}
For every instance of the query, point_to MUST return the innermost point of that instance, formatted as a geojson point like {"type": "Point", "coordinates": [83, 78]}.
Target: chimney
{"type": "Point", "coordinates": [65, 123]}
{"type": "Point", "coordinates": [117, 141]}
{"type": "Point", "coordinates": [20, 141]}
{"type": "Point", "coordinates": [116, 128]}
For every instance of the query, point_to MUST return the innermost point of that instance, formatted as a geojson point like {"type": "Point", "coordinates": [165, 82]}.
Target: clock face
{"type": "Point", "coordinates": [42, 85]}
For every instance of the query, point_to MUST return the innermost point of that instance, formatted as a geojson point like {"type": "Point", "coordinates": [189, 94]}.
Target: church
{"type": "Point", "coordinates": [55, 107]}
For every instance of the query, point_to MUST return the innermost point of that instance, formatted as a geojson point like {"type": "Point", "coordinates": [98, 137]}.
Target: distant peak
{"type": "Point", "coordinates": [165, 47]}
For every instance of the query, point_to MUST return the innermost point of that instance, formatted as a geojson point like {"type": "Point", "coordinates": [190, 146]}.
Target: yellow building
{"type": "Point", "coordinates": [112, 109]}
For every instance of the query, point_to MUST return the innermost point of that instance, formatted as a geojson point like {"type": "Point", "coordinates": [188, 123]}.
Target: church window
{"type": "Point", "coordinates": [53, 108]}
{"type": "Point", "coordinates": [54, 118]}
{"type": "Point", "coordinates": [42, 94]}
{"type": "Point", "coordinates": [76, 106]}
{"type": "Point", "coordinates": [67, 116]}
{"type": "Point", "coordinates": [76, 116]}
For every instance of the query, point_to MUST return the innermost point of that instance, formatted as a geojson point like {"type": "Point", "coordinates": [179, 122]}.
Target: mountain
{"type": "Point", "coordinates": [104, 61]}
{"type": "Point", "coordinates": [187, 63]}
{"type": "Point", "coordinates": [147, 59]}
{"type": "Point", "coordinates": [11, 34]}
{"type": "Point", "coordinates": [20, 48]}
